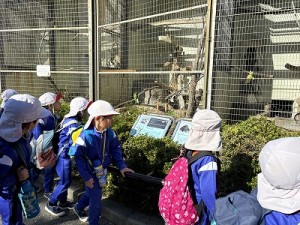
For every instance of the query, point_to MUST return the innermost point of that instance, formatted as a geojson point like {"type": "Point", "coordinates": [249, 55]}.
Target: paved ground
{"type": "Point", "coordinates": [113, 213]}
{"type": "Point", "coordinates": [46, 218]}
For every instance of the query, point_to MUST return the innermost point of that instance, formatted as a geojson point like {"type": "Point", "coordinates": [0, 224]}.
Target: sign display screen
{"type": "Point", "coordinates": [151, 125]}
{"type": "Point", "coordinates": [181, 131]}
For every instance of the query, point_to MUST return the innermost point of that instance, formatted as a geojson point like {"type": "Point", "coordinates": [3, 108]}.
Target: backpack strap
{"type": "Point", "coordinates": [63, 126]}
{"type": "Point", "coordinates": [103, 146]}
{"type": "Point", "coordinates": [60, 129]}
{"type": "Point", "coordinates": [60, 151]}
{"type": "Point", "coordinates": [199, 155]}
{"type": "Point", "coordinates": [193, 158]}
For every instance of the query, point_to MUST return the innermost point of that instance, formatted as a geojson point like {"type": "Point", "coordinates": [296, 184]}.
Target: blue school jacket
{"type": "Point", "coordinates": [277, 218]}
{"type": "Point", "coordinates": [89, 148]}
{"type": "Point", "coordinates": [204, 172]}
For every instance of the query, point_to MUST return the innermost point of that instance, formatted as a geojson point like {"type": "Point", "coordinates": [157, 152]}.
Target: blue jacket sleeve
{"type": "Point", "coordinates": [278, 218]}
{"type": "Point", "coordinates": [38, 130]}
{"type": "Point", "coordinates": [116, 152]}
{"type": "Point", "coordinates": [45, 124]}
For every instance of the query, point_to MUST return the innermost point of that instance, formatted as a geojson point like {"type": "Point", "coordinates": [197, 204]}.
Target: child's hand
{"type": "Point", "coordinates": [22, 173]}
{"type": "Point", "coordinates": [126, 170]}
{"type": "Point", "coordinates": [90, 183]}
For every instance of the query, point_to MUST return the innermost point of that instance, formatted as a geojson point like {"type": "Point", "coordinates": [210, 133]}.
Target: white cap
{"type": "Point", "coordinates": [76, 105]}
{"type": "Point", "coordinates": [279, 182]}
{"type": "Point", "coordinates": [6, 94]}
{"type": "Point", "coordinates": [99, 108]}
{"type": "Point", "coordinates": [205, 133]}
{"type": "Point", "coordinates": [20, 108]}
{"type": "Point", "coordinates": [49, 98]}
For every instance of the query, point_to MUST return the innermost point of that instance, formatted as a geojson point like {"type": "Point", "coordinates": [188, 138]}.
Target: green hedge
{"type": "Point", "coordinates": [148, 155]}
{"type": "Point", "coordinates": [242, 143]}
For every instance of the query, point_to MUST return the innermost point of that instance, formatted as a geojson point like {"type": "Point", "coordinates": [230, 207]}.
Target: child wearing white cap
{"type": "Point", "coordinates": [6, 94]}
{"type": "Point", "coordinates": [97, 143]}
{"type": "Point", "coordinates": [205, 136]}
{"type": "Point", "coordinates": [14, 124]}
{"type": "Point", "coordinates": [278, 187]}
{"type": "Point", "coordinates": [58, 199]}
{"type": "Point", "coordinates": [51, 102]}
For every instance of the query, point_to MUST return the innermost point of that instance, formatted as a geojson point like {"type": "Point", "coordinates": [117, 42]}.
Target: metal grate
{"type": "Point", "coordinates": [44, 32]}
{"type": "Point", "coordinates": [148, 49]}
{"type": "Point", "coordinates": [254, 44]}
{"type": "Point", "coordinates": [144, 48]}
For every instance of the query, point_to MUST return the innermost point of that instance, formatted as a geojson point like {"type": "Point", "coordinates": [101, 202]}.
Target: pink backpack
{"type": "Point", "coordinates": [175, 202]}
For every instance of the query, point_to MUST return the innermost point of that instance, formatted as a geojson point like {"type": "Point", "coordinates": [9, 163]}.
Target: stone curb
{"type": "Point", "coordinates": [115, 212]}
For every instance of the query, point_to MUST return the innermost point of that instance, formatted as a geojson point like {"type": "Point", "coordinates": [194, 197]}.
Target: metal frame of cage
{"type": "Point", "coordinates": [69, 36]}
{"type": "Point", "coordinates": [120, 51]}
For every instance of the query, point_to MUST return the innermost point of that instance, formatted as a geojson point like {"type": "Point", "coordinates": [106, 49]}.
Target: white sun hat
{"type": "Point", "coordinates": [99, 108]}
{"type": "Point", "coordinates": [6, 94]}
{"type": "Point", "coordinates": [279, 182]}
{"type": "Point", "coordinates": [76, 105]}
{"type": "Point", "coordinates": [205, 131]}
{"type": "Point", "coordinates": [49, 98]}
{"type": "Point", "coordinates": [20, 108]}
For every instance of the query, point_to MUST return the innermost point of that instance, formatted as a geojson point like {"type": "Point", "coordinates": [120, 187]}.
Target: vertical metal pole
{"type": "Point", "coordinates": [93, 93]}
{"type": "Point", "coordinates": [97, 38]}
{"type": "Point", "coordinates": [209, 51]}
{"type": "Point", "coordinates": [2, 76]}
{"type": "Point", "coordinates": [124, 36]}
{"type": "Point", "coordinates": [90, 46]}
{"type": "Point", "coordinates": [52, 53]}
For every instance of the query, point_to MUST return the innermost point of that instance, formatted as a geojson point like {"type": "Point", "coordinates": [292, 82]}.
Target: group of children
{"type": "Point", "coordinates": [23, 118]}
{"type": "Point", "coordinates": [278, 187]}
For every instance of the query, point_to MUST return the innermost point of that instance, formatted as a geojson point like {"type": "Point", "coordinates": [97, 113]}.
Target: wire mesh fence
{"type": "Point", "coordinates": [148, 52]}
{"type": "Point", "coordinates": [143, 48]}
{"type": "Point", "coordinates": [149, 49]}
{"type": "Point", "coordinates": [48, 33]}
{"type": "Point", "coordinates": [256, 54]}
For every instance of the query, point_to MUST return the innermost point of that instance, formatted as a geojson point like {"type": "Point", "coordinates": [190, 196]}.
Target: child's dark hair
{"type": "Point", "coordinates": [24, 125]}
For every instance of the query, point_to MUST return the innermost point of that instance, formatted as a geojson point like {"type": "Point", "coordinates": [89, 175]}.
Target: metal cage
{"type": "Point", "coordinates": [255, 59]}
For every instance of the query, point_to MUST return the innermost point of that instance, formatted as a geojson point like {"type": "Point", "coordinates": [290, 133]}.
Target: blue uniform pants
{"type": "Point", "coordinates": [63, 170]}
{"type": "Point", "coordinates": [92, 197]}
{"type": "Point", "coordinates": [48, 179]}
{"type": "Point", "coordinates": [11, 211]}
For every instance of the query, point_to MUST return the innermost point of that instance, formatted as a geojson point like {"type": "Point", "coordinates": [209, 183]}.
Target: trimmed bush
{"type": "Point", "coordinates": [242, 143]}
{"type": "Point", "coordinates": [65, 108]}
{"type": "Point", "coordinates": [149, 155]}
